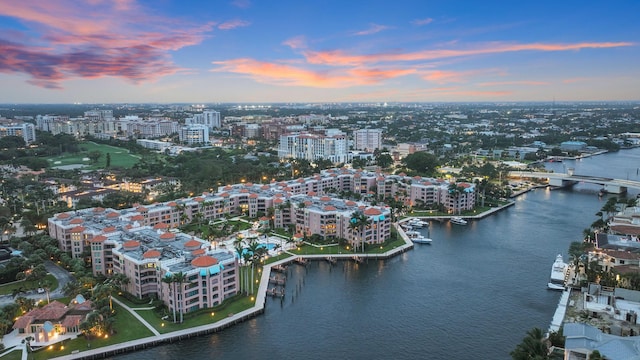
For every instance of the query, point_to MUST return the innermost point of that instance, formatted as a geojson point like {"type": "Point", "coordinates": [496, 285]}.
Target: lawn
{"type": "Point", "coordinates": [127, 328]}
{"type": "Point", "coordinates": [7, 289]}
{"type": "Point", "coordinates": [120, 157]}
{"type": "Point", "coordinates": [201, 317]}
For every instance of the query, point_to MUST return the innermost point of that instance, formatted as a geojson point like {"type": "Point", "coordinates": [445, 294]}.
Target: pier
{"type": "Point", "coordinates": [278, 280]}
{"type": "Point", "coordinates": [276, 292]}
{"type": "Point", "coordinates": [558, 316]}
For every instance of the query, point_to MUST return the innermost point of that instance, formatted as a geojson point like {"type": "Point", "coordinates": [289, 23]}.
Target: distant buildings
{"type": "Point", "coordinates": [367, 139]}
{"type": "Point", "coordinates": [209, 118]}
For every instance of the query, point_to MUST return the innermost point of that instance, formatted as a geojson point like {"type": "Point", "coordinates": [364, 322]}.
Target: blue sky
{"type": "Point", "coordinates": [113, 51]}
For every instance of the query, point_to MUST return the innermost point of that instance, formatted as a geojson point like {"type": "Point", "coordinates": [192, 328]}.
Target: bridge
{"type": "Point", "coordinates": [610, 185]}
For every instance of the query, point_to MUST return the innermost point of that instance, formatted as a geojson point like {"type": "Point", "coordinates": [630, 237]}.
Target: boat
{"type": "Point", "coordinates": [558, 274]}
{"type": "Point", "coordinates": [417, 237]}
{"type": "Point", "coordinates": [417, 223]}
{"type": "Point", "coordinates": [458, 220]}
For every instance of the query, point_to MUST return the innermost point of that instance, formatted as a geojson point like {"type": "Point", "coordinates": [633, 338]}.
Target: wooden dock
{"type": "Point", "coordinates": [275, 292]}
{"type": "Point", "coordinates": [278, 280]}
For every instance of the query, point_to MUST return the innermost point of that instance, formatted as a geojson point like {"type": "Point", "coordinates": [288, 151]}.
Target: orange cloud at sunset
{"type": "Point", "coordinates": [273, 73]}
{"type": "Point", "coordinates": [341, 58]}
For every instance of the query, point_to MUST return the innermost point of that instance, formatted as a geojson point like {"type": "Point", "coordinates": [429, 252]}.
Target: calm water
{"type": "Point", "coordinates": [471, 294]}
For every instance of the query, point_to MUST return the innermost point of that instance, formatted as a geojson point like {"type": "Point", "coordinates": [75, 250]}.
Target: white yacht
{"type": "Point", "coordinates": [417, 223]}
{"type": "Point", "coordinates": [417, 237]}
{"type": "Point", "coordinates": [458, 220]}
{"type": "Point", "coordinates": [558, 274]}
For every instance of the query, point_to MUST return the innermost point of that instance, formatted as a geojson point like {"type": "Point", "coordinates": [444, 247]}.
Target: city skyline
{"type": "Point", "coordinates": [101, 51]}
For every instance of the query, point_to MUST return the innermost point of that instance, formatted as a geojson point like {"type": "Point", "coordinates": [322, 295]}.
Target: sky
{"type": "Point", "coordinates": [251, 51]}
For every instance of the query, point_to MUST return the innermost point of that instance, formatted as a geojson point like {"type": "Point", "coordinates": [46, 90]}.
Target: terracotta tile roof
{"type": "Point", "coordinates": [167, 236]}
{"type": "Point", "coordinates": [198, 252]}
{"type": "Point", "coordinates": [150, 254]}
{"type": "Point", "coordinates": [619, 254]}
{"type": "Point", "coordinates": [109, 229]}
{"type": "Point", "coordinates": [99, 238]}
{"type": "Point", "coordinates": [76, 221]}
{"type": "Point", "coordinates": [192, 243]}
{"type": "Point", "coordinates": [71, 321]}
{"type": "Point", "coordinates": [372, 212]}
{"type": "Point", "coordinates": [63, 216]}
{"type": "Point", "coordinates": [23, 322]}
{"type": "Point", "coordinates": [626, 229]}
{"type": "Point", "coordinates": [160, 226]}
{"type": "Point", "coordinates": [204, 261]}
{"type": "Point", "coordinates": [131, 244]}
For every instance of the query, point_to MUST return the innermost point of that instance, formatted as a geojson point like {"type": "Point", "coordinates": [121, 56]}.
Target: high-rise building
{"type": "Point", "coordinates": [209, 118]}
{"type": "Point", "coordinates": [194, 134]}
{"type": "Point", "coordinates": [313, 147]}
{"type": "Point", "coordinates": [368, 139]}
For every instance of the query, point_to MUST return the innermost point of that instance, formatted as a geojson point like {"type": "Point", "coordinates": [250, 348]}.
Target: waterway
{"type": "Point", "coordinates": [473, 293]}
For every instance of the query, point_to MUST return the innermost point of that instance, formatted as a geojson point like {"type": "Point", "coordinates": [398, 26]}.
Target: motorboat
{"type": "Point", "coordinates": [421, 240]}
{"type": "Point", "coordinates": [417, 237]}
{"type": "Point", "coordinates": [458, 220]}
{"type": "Point", "coordinates": [558, 274]}
{"type": "Point", "coordinates": [417, 223]}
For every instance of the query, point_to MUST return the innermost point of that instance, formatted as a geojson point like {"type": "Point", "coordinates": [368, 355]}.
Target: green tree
{"type": "Point", "coordinates": [533, 346]}
{"type": "Point", "coordinates": [94, 156]}
{"type": "Point", "coordinates": [421, 162]}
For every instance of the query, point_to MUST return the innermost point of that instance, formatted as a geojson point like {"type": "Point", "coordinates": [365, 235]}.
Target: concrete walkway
{"type": "Point", "coordinates": [137, 316]}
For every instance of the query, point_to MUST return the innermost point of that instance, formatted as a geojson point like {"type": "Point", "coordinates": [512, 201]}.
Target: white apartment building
{"type": "Point", "coordinates": [194, 134]}
{"type": "Point", "coordinates": [154, 144]}
{"type": "Point", "coordinates": [313, 147]}
{"type": "Point", "coordinates": [210, 118]}
{"type": "Point", "coordinates": [367, 139]}
{"type": "Point", "coordinates": [26, 131]}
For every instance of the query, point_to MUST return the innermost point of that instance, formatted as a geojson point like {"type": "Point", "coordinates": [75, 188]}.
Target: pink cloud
{"type": "Point", "coordinates": [107, 38]}
{"type": "Point", "coordinates": [342, 58]}
{"type": "Point", "coordinates": [232, 24]}
{"type": "Point", "coordinates": [521, 82]}
{"type": "Point", "coordinates": [287, 75]}
{"type": "Point", "coordinates": [298, 42]}
{"type": "Point", "coordinates": [373, 29]}
{"type": "Point", "coordinates": [446, 76]}
{"type": "Point", "coordinates": [422, 22]}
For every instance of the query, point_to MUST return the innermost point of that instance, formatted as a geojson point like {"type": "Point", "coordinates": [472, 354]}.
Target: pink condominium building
{"type": "Point", "coordinates": [144, 244]}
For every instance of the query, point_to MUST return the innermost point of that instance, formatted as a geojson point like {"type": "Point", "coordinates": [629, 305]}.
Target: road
{"type": "Point", "coordinates": [61, 274]}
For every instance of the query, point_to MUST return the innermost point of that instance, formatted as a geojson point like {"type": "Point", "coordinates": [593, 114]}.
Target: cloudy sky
{"type": "Point", "coordinates": [114, 51]}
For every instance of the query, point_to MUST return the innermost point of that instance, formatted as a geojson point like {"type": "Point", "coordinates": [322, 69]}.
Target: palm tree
{"type": "Point", "coordinates": [533, 346]}
{"type": "Point", "coordinates": [254, 252]}
{"type": "Point", "coordinates": [359, 221]}
{"type": "Point", "coordinates": [168, 279]}
{"type": "Point", "coordinates": [180, 278]}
